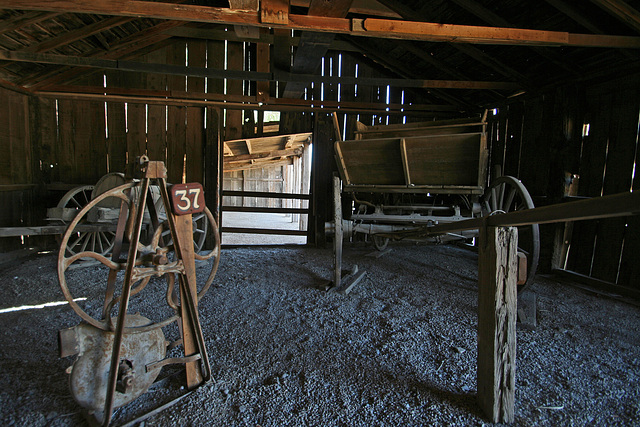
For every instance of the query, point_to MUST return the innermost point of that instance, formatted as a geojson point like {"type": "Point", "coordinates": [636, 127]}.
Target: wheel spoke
{"type": "Point", "coordinates": [501, 204]}
{"type": "Point", "coordinates": [493, 199]}
{"type": "Point", "coordinates": [509, 200]}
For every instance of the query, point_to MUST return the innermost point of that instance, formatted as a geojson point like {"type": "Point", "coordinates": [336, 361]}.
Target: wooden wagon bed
{"type": "Point", "coordinates": [433, 157]}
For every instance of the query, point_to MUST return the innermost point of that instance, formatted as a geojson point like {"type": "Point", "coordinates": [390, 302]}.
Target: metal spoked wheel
{"type": "Point", "coordinates": [200, 224]}
{"type": "Point", "coordinates": [97, 299]}
{"type": "Point", "coordinates": [508, 194]}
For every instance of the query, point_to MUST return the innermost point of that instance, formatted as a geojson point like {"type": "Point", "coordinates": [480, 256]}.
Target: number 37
{"type": "Point", "coordinates": [187, 198]}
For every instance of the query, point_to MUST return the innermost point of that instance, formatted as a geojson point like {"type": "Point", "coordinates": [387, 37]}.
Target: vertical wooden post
{"type": "Point", "coordinates": [497, 311]}
{"type": "Point", "coordinates": [337, 237]}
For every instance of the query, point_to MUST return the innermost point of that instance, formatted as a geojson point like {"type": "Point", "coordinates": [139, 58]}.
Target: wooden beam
{"type": "Point", "coordinates": [266, 195]}
{"type": "Point", "coordinates": [263, 156]}
{"type": "Point", "coordinates": [181, 70]}
{"type": "Point", "coordinates": [250, 209]}
{"type": "Point", "coordinates": [370, 27]}
{"type": "Point", "coordinates": [621, 11]}
{"type": "Point", "coordinates": [227, 150]}
{"type": "Point", "coordinates": [271, 231]}
{"type": "Point", "coordinates": [189, 99]}
{"type": "Point", "coordinates": [360, 7]}
{"type": "Point", "coordinates": [274, 12]}
{"type": "Point", "coordinates": [229, 167]}
{"type": "Point", "coordinates": [265, 37]}
{"type": "Point", "coordinates": [574, 14]}
{"type": "Point", "coordinates": [615, 205]}
{"type": "Point", "coordinates": [497, 313]}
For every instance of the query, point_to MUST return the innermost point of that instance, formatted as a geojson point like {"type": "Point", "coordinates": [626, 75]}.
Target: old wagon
{"type": "Point", "coordinates": [398, 181]}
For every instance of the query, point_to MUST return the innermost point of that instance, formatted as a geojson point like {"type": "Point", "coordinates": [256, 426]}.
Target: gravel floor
{"type": "Point", "coordinates": [400, 349]}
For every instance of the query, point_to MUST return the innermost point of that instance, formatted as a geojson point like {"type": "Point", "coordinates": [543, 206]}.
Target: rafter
{"type": "Point", "coordinates": [370, 27]}
{"type": "Point", "coordinates": [491, 18]}
{"type": "Point", "coordinates": [622, 11]}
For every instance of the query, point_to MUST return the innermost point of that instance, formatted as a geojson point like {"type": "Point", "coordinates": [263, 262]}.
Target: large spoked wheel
{"type": "Point", "coordinates": [200, 223]}
{"type": "Point", "coordinates": [91, 300]}
{"type": "Point", "coordinates": [508, 194]}
{"type": "Point", "coordinates": [100, 241]}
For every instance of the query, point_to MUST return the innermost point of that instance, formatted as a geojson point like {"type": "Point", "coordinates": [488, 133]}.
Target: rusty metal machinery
{"type": "Point", "coordinates": [152, 263]}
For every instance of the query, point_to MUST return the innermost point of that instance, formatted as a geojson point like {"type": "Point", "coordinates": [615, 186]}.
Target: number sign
{"type": "Point", "coordinates": [187, 198]}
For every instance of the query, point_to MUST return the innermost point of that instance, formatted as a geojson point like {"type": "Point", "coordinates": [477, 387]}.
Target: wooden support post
{"type": "Point", "coordinates": [337, 237]}
{"type": "Point", "coordinates": [497, 311]}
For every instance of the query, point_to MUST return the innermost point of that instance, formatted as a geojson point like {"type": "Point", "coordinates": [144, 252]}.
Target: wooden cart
{"type": "Point", "coordinates": [397, 181]}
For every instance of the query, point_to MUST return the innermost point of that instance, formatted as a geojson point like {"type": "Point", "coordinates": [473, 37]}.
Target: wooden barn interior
{"type": "Point", "coordinates": [250, 98]}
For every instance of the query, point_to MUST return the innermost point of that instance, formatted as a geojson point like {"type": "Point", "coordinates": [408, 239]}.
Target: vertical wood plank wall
{"type": "Point", "coordinates": [16, 163]}
{"type": "Point", "coordinates": [541, 142]}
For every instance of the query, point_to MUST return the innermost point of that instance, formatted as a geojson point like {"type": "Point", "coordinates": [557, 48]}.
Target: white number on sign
{"type": "Point", "coordinates": [194, 193]}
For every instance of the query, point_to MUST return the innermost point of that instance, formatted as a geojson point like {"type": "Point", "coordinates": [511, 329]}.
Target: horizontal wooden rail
{"type": "Point", "coordinates": [17, 187]}
{"type": "Point", "coordinates": [51, 229]}
{"type": "Point", "coordinates": [263, 231]}
{"type": "Point", "coordinates": [266, 195]}
{"type": "Point", "coordinates": [264, 210]}
{"type": "Point", "coordinates": [622, 204]}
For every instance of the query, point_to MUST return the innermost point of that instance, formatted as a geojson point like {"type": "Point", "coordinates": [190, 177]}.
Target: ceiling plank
{"type": "Point", "coordinates": [370, 27]}
{"type": "Point", "coordinates": [622, 11]}
{"type": "Point", "coordinates": [75, 35]}
{"type": "Point", "coordinates": [125, 48]}
{"type": "Point", "coordinates": [28, 18]}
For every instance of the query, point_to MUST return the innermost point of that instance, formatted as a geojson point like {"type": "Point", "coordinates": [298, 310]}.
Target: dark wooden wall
{"type": "Point", "coordinates": [17, 192]}
{"type": "Point", "coordinates": [541, 142]}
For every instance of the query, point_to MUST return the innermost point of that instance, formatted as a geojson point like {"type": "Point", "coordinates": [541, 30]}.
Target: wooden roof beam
{"type": "Point", "coordinates": [369, 27]}
{"type": "Point", "coordinates": [621, 11]}
{"type": "Point", "coordinates": [263, 156]}
{"type": "Point", "coordinates": [181, 70]}
{"type": "Point", "coordinates": [574, 14]}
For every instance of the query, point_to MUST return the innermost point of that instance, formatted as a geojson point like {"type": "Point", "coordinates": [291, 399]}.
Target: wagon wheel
{"type": "Point", "coordinates": [95, 241]}
{"type": "Point", "coordinates": [508, 194]}
{"type": "Point", "coordinates": [72, 284]}
{"type": "Point", "coordinates": [200, 223]}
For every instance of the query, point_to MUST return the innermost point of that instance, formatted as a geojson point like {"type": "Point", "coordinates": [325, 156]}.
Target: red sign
{"type": "Point", "coordinates": [187, 198]}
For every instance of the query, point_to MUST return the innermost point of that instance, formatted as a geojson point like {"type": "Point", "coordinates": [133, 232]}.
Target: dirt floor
{"type": "Point", "coordinates": [400, 349]}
